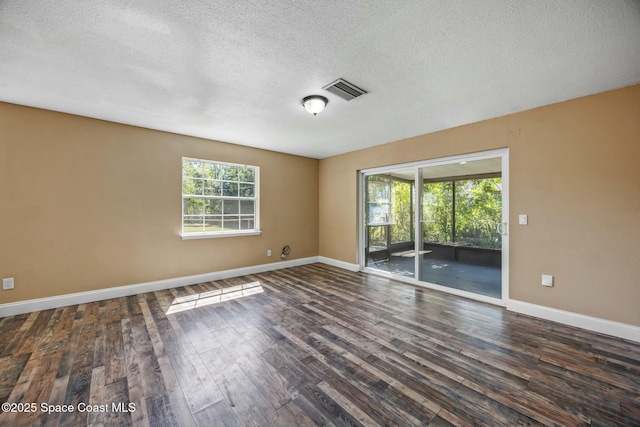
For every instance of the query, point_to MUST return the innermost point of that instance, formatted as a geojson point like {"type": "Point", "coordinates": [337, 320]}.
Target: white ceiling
{"type": "Point", "coordinates": [235, 71]}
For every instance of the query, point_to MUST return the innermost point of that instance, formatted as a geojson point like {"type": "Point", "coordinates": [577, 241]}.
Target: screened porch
{"type": "Point", "coordinates": [460, 220]}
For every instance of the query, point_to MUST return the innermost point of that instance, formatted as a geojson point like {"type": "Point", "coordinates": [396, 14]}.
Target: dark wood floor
{"type": "Point", "coordinates": [311, 345]}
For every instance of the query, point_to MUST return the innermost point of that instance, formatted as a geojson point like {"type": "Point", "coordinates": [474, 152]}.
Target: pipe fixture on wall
{"type": "Point", "coordinates": [285, 252]}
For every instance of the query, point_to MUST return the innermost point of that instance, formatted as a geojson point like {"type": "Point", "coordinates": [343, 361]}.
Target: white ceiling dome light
{"type": "Point", "coordinates": [314, 103]}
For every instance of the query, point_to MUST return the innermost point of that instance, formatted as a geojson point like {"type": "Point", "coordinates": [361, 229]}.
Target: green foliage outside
{"type": "Point", "coordinates": [437, 205]}
{"type": "Point", "coordinates": [402, 229]}
{"type": "Point", "coordinates": [478, 210]}
{"type": "Point", "coordinates": [217, 196]}
{"type": "Point", "coordinates": [389, 200]}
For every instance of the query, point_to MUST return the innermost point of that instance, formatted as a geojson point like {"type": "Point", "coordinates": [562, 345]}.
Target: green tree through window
{"type": "Point", "coordinates": [464, 211]}
{"type": "Point", "coordinates": [218, 198]}
{"type": "Point", "coordinates": [475, 212]}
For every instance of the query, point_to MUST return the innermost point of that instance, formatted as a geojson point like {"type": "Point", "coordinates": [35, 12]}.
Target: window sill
{"type": "Point", "coordinates": [191, 236]}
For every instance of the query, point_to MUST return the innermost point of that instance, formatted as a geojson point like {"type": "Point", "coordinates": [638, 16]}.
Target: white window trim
{"type": "Point", "coordinates": [217, 234]}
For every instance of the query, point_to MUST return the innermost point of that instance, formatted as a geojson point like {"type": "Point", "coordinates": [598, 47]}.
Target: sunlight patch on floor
{"type": "Point", "coordinates": [216, 296]}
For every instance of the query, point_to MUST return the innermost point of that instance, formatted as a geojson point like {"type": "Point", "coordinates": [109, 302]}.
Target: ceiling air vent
{"type": "Point", "coordinates": [344, 89]}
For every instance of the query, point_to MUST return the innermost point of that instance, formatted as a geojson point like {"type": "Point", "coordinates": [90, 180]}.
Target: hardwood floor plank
{"type": "Point", "coordinates": [630, 410]}
{"type": "Point", "coordinates": [96, 397]}
{"type": "Point", "coordinates": [56, 397]}
{"type": "Point", "coordinates": [45, 342]}
{"type": "Point", "coordinates": [16, 396]}
{"type": "Point", "coordinates": [446, 418]}
{"type": "Point", "coordinates": [291, 415]}
{"type": "Point", "coordinates": [117, 393]}
{"type": "Point", "coordinates": [210, 416]}
{"type": "Point", "coordinates": [238, 391]}
{"type": "Point", "coordinates": [193, 384]}
{"type": "Point", "coordinates": [353, 410]}
{"type": "Point", "coordinates": [160, 410]}
{"type": "Point", "coordinates": [152, 329]}
{"type": "Point", "coordinates": [20, 334]}
{"type": "Point", "coordinates": [114, 357]}
{"type": "Point", "coordinates": [200, 337]}
{"type": "Point", "coordinates": [257, 338]}
{"type": "Point", "coordinates": [177, 399]}
{"type": "Point", "coordinates": [594, 371]}
{"type": "Point", "coordinates": [150, 374]}
{"type": "Point", "coordinates": [384, 404]}
{"type": "Point", "coordinates": [623, 365]}
{"type": "Point", "coordinates": [459, 364]}
{"type": "Point", "coordinates": [388, 377]}
{"type": "Point", "coordinates": [305, 380]}
{"type": "Point", "coordinates": [78, 388]}
{"type": "Point", "coordinates": [316, 416]}
{"type": "Point", "coordinates": [12, 368]}
{"type": "Point", "coordinates": [134, 377]}
{"type": "Point", "coordinates": [43, 379]}
{"type": "Point", "coordinates": [312, 345]}
{"type": "Point", "coordinates": [563, 396]}
{"type": "Point", "coordinates": [8, 328]}
{"type": "Point", "coordinates": [273, 386]}
{"type": "Point", "coordinates": [528, 404]}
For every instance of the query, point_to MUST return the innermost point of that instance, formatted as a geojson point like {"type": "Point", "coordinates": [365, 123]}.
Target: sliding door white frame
{"type": "Point", "coordinates": [504, 155]}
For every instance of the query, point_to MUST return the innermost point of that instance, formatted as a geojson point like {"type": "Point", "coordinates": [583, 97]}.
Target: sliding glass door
{"type": "Point", "coordinates": [440, 223]}
{"type": "Point", "coordinates": [461, 241]}
{"type": "Point", "coordinates": [388, 222]}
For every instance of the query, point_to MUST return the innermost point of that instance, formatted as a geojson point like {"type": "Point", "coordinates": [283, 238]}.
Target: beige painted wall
{"type": "Point", "coordinates": [575, 170]}
{"type": "Point", "coordinates": [87, 204]}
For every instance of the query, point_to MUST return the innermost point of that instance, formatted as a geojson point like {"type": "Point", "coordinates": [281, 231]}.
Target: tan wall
{"type": "Point", "coordinates": [574, 169]}
{"type": "Point", "coordinates": [87, 204]}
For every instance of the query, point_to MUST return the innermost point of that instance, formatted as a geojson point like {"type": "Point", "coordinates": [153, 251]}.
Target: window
{"type": "Point", "coordinates": [463, 211]}
{"type": "Point", "coordinates": [219, 199]}
{"type": "Point", "coordinates": [378, 201]}
{"type": "Point", "coordinates": [389, 208]}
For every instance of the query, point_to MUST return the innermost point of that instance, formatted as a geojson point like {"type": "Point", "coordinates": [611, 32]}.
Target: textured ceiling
{"type": "Point", "coordinates": [235, 71]}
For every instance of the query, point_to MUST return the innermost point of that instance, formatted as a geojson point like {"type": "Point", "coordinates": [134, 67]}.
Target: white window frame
{"type": "Point", "coordinates": [222, 233]}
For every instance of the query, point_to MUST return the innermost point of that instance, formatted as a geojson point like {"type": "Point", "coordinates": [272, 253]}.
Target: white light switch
{"type": "Point", "coordinates": [523, 219]}
{"type": "Point", "coordinates": [547, 280]}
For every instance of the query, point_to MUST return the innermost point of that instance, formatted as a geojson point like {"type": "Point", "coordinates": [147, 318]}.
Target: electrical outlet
{"type": "Point", "coordinates": [547, 280]}
{"type": "Point", "coordinates": [7, 284]}
{"type": "Point", "coordinates": [268, 252]}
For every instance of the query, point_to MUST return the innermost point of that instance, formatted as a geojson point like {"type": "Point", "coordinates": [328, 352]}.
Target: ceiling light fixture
{"type": "Point", "coordinates": [314, 103]}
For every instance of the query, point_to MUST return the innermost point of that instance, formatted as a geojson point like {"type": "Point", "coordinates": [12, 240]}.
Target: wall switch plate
{"type": "Point", "coordinates": [269, 252]}
{"type": "Point", "coordinates": [7, 284]}
{"type": "Point", "coordinates": [547, 280]}
{"type": "Point", "coordinates": [523, 219]}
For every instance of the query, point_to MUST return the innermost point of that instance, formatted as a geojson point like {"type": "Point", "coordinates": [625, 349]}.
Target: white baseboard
{"type": "Point", "coordinates": [339, 264]}
{"type": "Point", "coordinates": [616, 329]}
{"type": "Point", "coordinates": [28, 306]}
